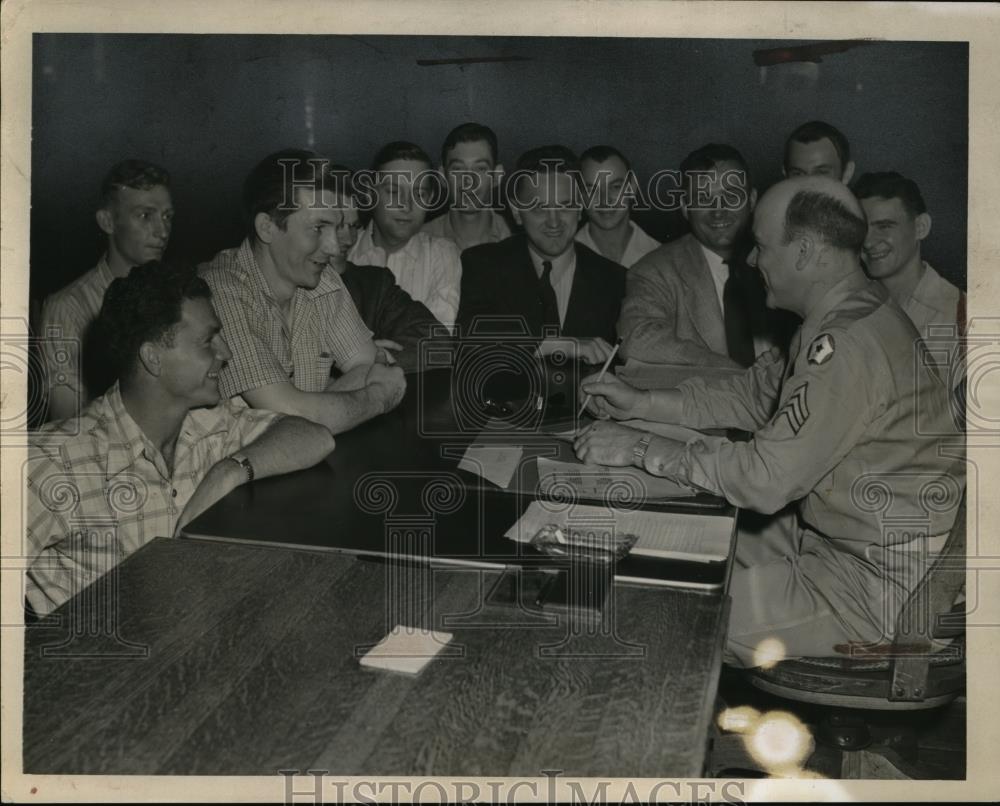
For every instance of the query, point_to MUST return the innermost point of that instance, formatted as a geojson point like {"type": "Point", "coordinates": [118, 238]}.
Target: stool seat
{"type": "Point", "coordinates": [865, 683]}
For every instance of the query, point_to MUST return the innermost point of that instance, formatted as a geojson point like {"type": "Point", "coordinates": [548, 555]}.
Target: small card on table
{"type": "Point", "coordinates": [406, 649]}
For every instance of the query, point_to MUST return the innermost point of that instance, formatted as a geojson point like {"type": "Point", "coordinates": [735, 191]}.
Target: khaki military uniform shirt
{"type": "Point", "coordinates": [851, 426]}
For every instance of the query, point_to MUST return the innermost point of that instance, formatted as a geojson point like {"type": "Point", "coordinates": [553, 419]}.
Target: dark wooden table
{"type": "Point", "coordinates": [392, 485]}
{"type": "Point", "coordinates": [238, 654]}
{"type": "Point", "coordinates": [240, 659]}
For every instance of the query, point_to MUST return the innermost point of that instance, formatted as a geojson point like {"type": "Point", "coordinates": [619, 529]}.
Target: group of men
{"type": "Point", "coordinates": [251, 364]}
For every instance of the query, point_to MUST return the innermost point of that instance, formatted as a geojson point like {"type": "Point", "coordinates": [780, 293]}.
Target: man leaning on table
{"type": "Point", "coordinates": [848, 410]}
{"type": "Point", "coordinates": [157, 449]}
{"type": "Point", "coordinates": [286, 314]}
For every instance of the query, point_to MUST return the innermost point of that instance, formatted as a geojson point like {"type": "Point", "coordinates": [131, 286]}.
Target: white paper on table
{"type": "Point", "coordinates": [610, 483]}
{"type": "Point", "coordinates": [496, 463]}
{"type": "Point", "coordinates": [702, 538]}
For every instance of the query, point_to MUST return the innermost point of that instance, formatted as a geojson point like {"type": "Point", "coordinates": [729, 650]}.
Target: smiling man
{"type": "Point", "coordinates": [426, 267]}
{"type": "Point", "coordinates": [848, 428]}
{"type": "Point", "coordinates": [472, 170]}
{"type": "Point", "coordinates": [610, 185]}
{"type": "Point", "coordinates": [157, 449]}
{"type": "Point", "coordinates": [136, 214]}
{"type": "Point", "coordinates": [287, 316]}
{"type": "Point", "coordinates": [898, 223]}
{"type": "Point", "coordinates": [543, 283]}
{"type": "Point", "coordinates": [693, 301]}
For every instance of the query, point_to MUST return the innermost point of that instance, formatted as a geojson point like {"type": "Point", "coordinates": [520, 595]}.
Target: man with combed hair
{"type": "Point", "coordinates": [472, 169]}
{"type": "Point", "coordinates": [543, 283]}
{"type": "Point", "coordinates": [818, 149]}
{"type": "Point", "coordinates": [136, 214]}
{"type": "Point", "coordinates": [898, 222]}
{"type": "Point", "coordinates": [848, 425]}
{"type": "Point", "coordinates": [610, 231]}
{"type": "Point", "coordinates": [155, 451]}
{"type": "Point", "coordinates": [427, 267]}
{"type": "Point", "coordinates": [694, 301]}
{"type": "Point", "coordinates": [287, 316]}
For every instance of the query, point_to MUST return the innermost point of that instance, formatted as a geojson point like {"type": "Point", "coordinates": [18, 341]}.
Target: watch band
{"type": "Point", "coordinates": [640, 448]}
{"type": "Point", "coordinates": [243, 462]}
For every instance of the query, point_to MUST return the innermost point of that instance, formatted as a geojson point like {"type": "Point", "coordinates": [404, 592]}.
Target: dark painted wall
{"type": "Point", "coordinates": [207, 107]}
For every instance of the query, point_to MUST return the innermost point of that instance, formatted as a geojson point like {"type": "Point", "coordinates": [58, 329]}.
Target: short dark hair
{"type": "Point", "coordinates": [135, 174]}
{"type": "Point", "coordinates": [145, 306]}
{"type": "Point", "coordinates": [826, 216]}
{"type": "Point", "coordinates": [270, 187]}
{"type": "Point", "coordinates": [545, 159]}
{"type": "Point", "coordinates": [892, 185]}
{"type": "Point", "coordinates": [399, 150]}
{"type": "Point", "coordinates": [548, 158]}
{"type": "Point", "coordinates": [818, 130]}
{"type": "Point", "coordinates": [707, 158]}
{"type": "Point", "coordinates": [710, 155]}
{"type": "Point", "coordinates": [470, 133]}
{"type": "Point", "coordinates": [603, 154]}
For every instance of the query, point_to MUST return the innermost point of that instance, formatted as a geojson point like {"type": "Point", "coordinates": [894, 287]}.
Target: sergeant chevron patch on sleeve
{"type": "Point", "coordinates": [821, 349]}
{"type": "Point", "coordinates": [796, 409]}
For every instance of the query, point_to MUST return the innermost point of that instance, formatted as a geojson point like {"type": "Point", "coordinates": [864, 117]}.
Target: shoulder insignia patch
{"type": "Point", "coordinates": [821, 349]}
{"type": "Point", "coordinates": [796, 409]}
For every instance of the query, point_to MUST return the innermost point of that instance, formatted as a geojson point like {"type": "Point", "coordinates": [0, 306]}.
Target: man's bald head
{"type": "Point", "coordinates": [808, 233]}
{"type": "Point", "coordinates": [818, 206]}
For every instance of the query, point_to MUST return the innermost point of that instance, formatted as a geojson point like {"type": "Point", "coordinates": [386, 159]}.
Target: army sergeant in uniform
{"type": "Point", "coordinates": [849, 407]}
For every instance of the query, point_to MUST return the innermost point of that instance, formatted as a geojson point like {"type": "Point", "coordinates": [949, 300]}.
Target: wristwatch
{"type": "Point", "coordinates": [640, 448]}
{"type": "Point", "coordinates": [242, 461]}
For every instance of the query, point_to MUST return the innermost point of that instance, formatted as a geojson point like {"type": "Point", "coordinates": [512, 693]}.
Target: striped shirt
{"type": "Point", "coordinates": [326, 327]}
{"type": "Point", "coordinates": [441, 227]}
{"type": "Point", "coordinates": [427, 268]}
{"type": "Point", "coordinates": [98, 489]}
{"type": "Point", "coordinates": [66, 316]}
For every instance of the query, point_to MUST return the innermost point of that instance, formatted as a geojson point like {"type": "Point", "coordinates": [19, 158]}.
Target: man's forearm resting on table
{"type": "Point", "coordinates": [338, 411]}
{"type": "Point", "coordinates": [292, 443]}
{"type": "Point", "coordinates": [351, 380]}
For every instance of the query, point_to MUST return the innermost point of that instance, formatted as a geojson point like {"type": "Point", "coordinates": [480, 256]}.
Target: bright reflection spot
{"type": "Point", "coordinates": [779, 742]}
{"type": "Point", "coordinates": [738, 720]}
{"type": "Point", "coordinates": [769, 652]}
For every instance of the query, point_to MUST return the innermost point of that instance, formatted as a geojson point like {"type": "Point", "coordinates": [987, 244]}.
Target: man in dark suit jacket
{"type": "Point", "coordinates": [542, 283]}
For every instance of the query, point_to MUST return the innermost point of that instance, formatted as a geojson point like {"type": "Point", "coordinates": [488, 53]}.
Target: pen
{"type": "Point", "coordinates": [600, 378]}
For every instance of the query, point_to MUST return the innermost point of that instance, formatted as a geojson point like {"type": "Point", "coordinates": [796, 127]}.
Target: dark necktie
{"type": "Point", "coordinates": [547, 294]}
{"type": "Point", "coordinates": [736, 317]}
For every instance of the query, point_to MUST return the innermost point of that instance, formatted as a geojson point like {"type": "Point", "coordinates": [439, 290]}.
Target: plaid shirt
{"type": "Point", "coordinates": [326, 326]}
{"type": "Point", "coordinates": [66, 315]}
{"type": "Point", "coordinates": [98, 489]}
{"type": "Point", "coordinates": [427, 268]}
